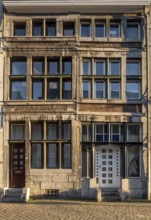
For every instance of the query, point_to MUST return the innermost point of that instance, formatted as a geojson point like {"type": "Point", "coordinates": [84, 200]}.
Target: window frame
{"type": "Point", "coordinates": [138, 61]}
{"type": "Point", "coordinates": [110, 91]}
{"type": "Point", "coordinates": [36, 22]}
{"type": "Point", "coordinates": [19, 24]}
{"type": "Point", "coordinates": [140, 135]}
{"type": "Point", "coordinates": [139, 90]}
{"type": "Point", "coordinates": [88, 22]}
{"type": "Point", "coordinates": [103, 134]}
{"type": "Point", "coordinates": [97, 22]}
{"type": "Point", "coordinates": [131, 23]}
{"type": "Point", "coordinates": [118, 23]}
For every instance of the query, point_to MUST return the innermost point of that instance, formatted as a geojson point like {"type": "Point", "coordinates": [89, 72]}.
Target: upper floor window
{"type": "Point", "coordinates": [134, 133]}
{"type": "Point", "coordinates": [87, 67]}
{"type": "Point", "coordinates": [114, 30]}
{"type": "Point", "coordinates": [20, 29]}
{"type": "Point", "coordinates": [115, 68]}
{"type": "Point", "coordinates": [100, 67]}
{"type": "Point", "coordinates": [133, 30]}
{"type": "Point", "coordinates": [133, 89]}
{"type": "Point", "coordinates": [133, 67]}
{"type": "Point", "coordinates": [116, 134]}
{"type": "Point", "coordinates": [50, 28]}
{"type": "Point", "coordinates": [18, 66]}
{"type": "Point", "coordinates": [37, 28]}
{"type": "Point", "coordinates": [38, 66]}
{"type": "Point", "coordinates": [85, 29]}
{"type": "Point", "coordinates": [68, 29]}
{"type": "Point", "coordinates": [99, 28]}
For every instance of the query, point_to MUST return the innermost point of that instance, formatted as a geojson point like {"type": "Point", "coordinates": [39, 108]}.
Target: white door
{"type": "Point", "coordinates": [108, 166]}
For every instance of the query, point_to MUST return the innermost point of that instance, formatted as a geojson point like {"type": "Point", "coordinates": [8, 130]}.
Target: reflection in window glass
{"type": "Point", "coordinates": [134, 134]}
{"type": "Point", "coordinates": [114, 30]}
{"type": "Point", "coordinates": [85, 30]}
{"type": "Point", "coordinates": [18, 67]}
{"type": "Point", "coordinates": [86, 132]}
{"type": "Point", "coordinates": [86, 89]}
{"type": "Point", "coordinates": [53, 67]}
{"type": "Point", "coordinates": [115, 133]}
{"type": "Point", "coordinates": [38, 67]}
{"type": "Point", "coordinates": [37, 28]}
{"type": "Point", "coordinates": [66, 156]}
{"type": "Point", "coordinates": [100, 132]}
{"type": "Point", "coordinates": [18, 90]}
{"type": "Point", "coordinates": [67, 67]}
{"type": "Point", "coordinates": [20, 29]}
{"type": "Point", "coordinates": [86, 67]}
{"type": "Point", "coordinates": [133, 90]}
{"type": "Point", "coordinates": [133, 161]}
{"type": "Point", "coordinates": [52, 156]}
{"type": "Point", "coordinates": [37, 90]}
{"type": "Point", "coordinates": [36, 156]}
{"type": "Point", "coordinates": [114, 90]}
{"type": "Point", "coordinates": [66, 93]}
{"type": "Point", "coordinates": [66, 129]}
{"type": "Point", "coordinates": [132, 68]}
{"type": "Point", "coordinates": [53, 90]}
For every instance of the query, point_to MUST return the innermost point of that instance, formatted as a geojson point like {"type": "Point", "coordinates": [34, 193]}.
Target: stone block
{"type": "Point", "coordinates": [63, 178]}
{"type": "Point", "coordinates": [48, 185]}
{"type": "Point", "coordinates": [56, 178]}
{"type": "Point", "coordinates": [67, 185]}
{"type": "Point", "coordinates": [93, 183]}
{"type": "Point", "coordinates": [72, 178]}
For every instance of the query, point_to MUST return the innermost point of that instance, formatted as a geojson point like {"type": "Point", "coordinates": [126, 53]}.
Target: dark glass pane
{"type": "Point", "coordinates": [133, 68]}
{"type": "Point", "coordinates": [114, 90]}
{"type": "Point", "coordinates": [37, 29]}
{"type": "Point", "coordinates": [132, 32]}
{"type": "Point", "coordinates": [86, 133]}
{"type": "Point", "coordinates": [86, 67]}
{"type": "Point", "coordinates": [53, 90]}
{"type": "Point", "coordinates": [51, 29]}
{"type": "Point", "coordinates": [18, 90]}
{"type": "Point", "coordinates": [66, 93]}
{"type": "Point", "coordinates": [133, 161]}
{"type": "Point", "coordinates": [115, 68]}
{"type": "Point", "coordinates": [67, 67]}
{"type": "Point", "coordinates": [38, 67]}
{"type": "Point", "coordinates": [37, 90]}
{"type": "Point", "coordinates": [84, 163]}
{"type": "Point", "coordinates": [100, 90]}
{"type": "Point", "coordinates": [86, 89]}
{"type": "Point", "coordinates": [66, 131]}
{"type": "Point", "coordinates": [37, 156]}
{"type": "Point", "coordinates": [85, 30]}
{"type": "Point", "coordinates": [37, 132]}
{"type": "Point", "coordinates": [19, 67]}
{"type": "Point", "coordinates": [99, 137]}
{"type": "Point", "coordinates": [134, 133]}
{"type": "Point", "coordinates": [66, 156]}
{"type": "Point", "coordinates": [99, 30]}
{"type": "Point", "coordinates": [132, 90]}
{"type": "Point", "coordinates": [52, 156]}
{"type": "Point", "coordinates": [52, 131]}
{"type": "Point", "coordinates": [53, 67]}
{"type": "Point", "coordinates": [68, 29]}
{"type": "Point", "coordinates": [100, 68]}
{"type": "Point", "coordinates": [114, 30]}
{"type": "Point", "coordinates": [20, 29]}
{"type": "Point", "coordinates": [17, 132]}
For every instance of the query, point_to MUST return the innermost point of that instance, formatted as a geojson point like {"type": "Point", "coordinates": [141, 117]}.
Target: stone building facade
{"type": "Point", "coordinates": [75, 98]}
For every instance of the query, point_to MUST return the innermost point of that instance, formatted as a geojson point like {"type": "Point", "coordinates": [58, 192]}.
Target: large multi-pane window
{"type": "Point", "coordinates": [18, 78]}
{"type": "Point", "coordinates": [116, 132]}
{"type": "Point", "coordinates": [101, 78]}
{"type": "Point", "coordinates": [54, 138]}
{"type": "Point", "coordinates": [57, 80]}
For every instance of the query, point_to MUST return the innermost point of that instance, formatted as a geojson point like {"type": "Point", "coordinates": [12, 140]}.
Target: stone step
{"type": "Point", "coordinates": [12, 199]}
{"type": "Point", "coordinates": [111, 199]}
{"type": "Point", "coordinates": [109, 189]}
{"type": "Point", "coordinates": [12, 194]}
{"type": "Point", "coordinates": [110, 194]}
{"type": "Point", "coordinates": [15, 190]}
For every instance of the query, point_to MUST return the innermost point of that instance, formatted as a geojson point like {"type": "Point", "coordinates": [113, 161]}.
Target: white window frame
{"type": "Point", "coordinates": [104, 66]}
{"type": "Point", "coordinates": [139, 90]}
{"type": "Point", "coordinates": [104, 88]}
{"type": "Point", "coordinates": [131, 24]}
{"type": "Point", "coordinates": [114, 81]}
{"type": "Point", "coordinates": [104, 29]}
{"type": "Point", "coordinates": [103, 134]}
{"type": "Point", "coordinates": [133, 61]}
{"type": "Point", "coordinates": [119, 29]}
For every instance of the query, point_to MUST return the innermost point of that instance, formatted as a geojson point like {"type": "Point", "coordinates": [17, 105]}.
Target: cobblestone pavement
{"type": "Point", "coordinates": [74, 210]}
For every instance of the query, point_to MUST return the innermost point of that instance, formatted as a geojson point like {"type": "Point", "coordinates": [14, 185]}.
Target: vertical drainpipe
{"type": "Point", "coordinates": [147, 10]}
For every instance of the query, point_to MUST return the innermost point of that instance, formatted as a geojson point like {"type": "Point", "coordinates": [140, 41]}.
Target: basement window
{"type": "Point", "coordinates": [52, 193]}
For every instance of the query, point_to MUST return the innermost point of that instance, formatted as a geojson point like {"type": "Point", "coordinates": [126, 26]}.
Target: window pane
{"type": "Point", "coordinates": [38, 67]}
{"type": "Point", "coordinates": [134, 133]}
{"type": "Point", "coordinates": [52, 156]}
{"type": "Point", "coordinates": [87, 67]}
{"type": "Point", "coordinates": [132, 31]}
{"type": "Point", "coordinates": [37, 90]}
{"type": "Point", "coordinates": [114, 90]}
{"type": "Point", "coordinates": [37, 28]}
{"type": "Point", "coordinates": [86, 133]}
{"type": "Point", "coordinates": [100, 132]}
{"type": "Point", "coordinates": [100, 90]}
{"type": "Point", "coordinates": [85, 30]}
{"type": "Point", "coordinates": [133, 161]}
{"type": "Point", "coordinates": [18, 90]}
{"type": "Point", "coordinates": [114, 30]}
{"type": "Point", "coordinates": [100, 67]}
{"type": "Point", "coordinates": [20, 29]}
{"type": "Point", "coordinates": [53, 67]}
{"type": "Point", "coordinates": [36, 132]}
{"type": "Point", "coordinates": [17, 132]}
{"type": "Point", "coordinates": [53, 90]}
{"type": "Point", "coordinates": [115, 68]}
{"type": "Point", "coordinates": [66, 93]}
{"type": "Point", "coordinates": [99, 30]}
{"type": "Point", "coordinates": [52, 131]}
{"type": "Point", "coordinates": [67, 67]}
{"type": "Point", "coordinates": [133, 68]}
{"type": "Point", "coordinates": [133, 90]}
{"type": "Point", "coordinates": [18, 67]}
{"type": "Point", "coordinates": [50, 28]}
{"type": "Point", "coordinates": [115, 133]}
{"type": "Point", "coordinates": [66, 131]}
{"type": "Point", "coordinates": [37, 156]}
{"type": "Point", "coordinates": [68, 29]}
{"type": "Point", "coordinates": [86, 89]}
{"type": "Point", "coordinates": [66, 156]}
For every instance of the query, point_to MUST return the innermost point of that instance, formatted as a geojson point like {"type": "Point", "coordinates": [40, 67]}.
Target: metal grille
{"type": "Point", "coordinates": [52, 193]}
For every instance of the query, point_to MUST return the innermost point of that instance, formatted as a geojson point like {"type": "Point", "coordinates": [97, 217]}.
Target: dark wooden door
{"type": "Point", "coordinates": [17, 165]}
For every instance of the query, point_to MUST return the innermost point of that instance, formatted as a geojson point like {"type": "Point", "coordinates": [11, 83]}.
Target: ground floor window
{"type": "Point", "coordinates": [133, 161]}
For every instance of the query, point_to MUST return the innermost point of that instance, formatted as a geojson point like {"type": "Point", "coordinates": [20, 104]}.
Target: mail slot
{"type": "Point", "coordinates": [18, 172]}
